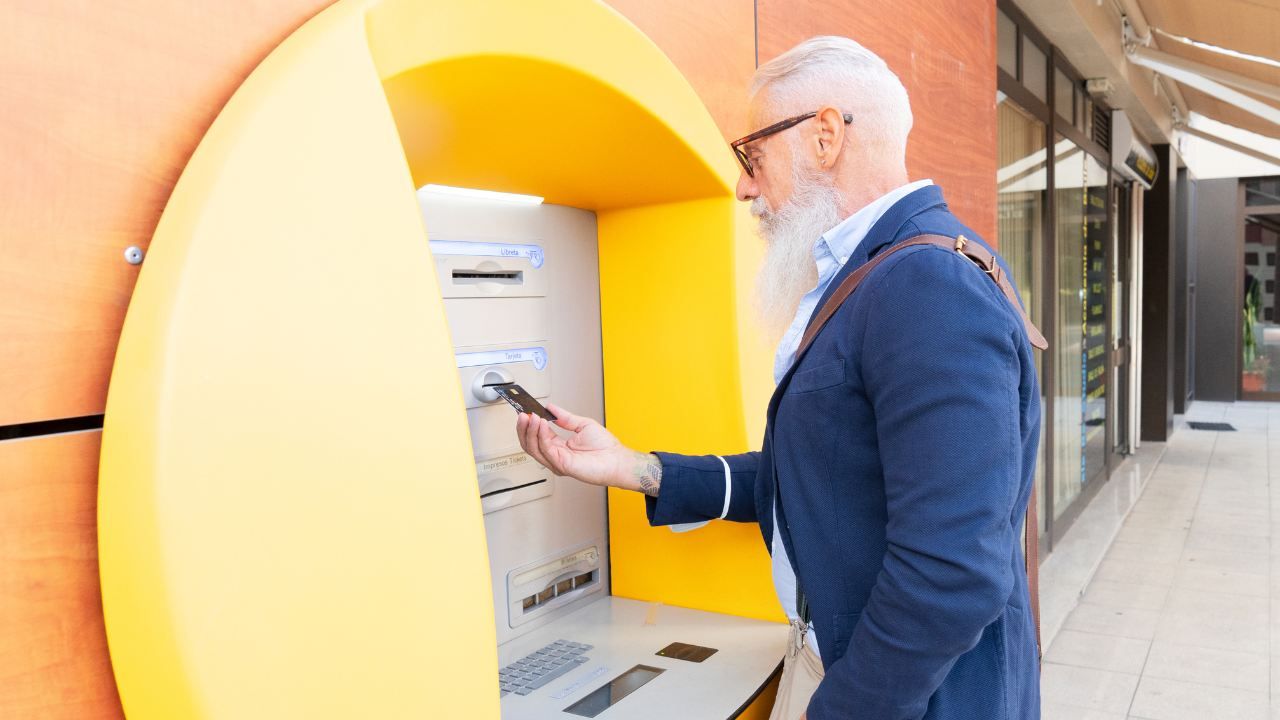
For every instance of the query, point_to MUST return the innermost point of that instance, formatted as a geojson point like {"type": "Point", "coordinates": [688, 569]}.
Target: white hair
{"type": "Point", "coordinates": [836, 71]}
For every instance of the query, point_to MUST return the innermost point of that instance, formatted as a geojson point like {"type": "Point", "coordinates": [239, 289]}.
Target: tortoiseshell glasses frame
{"type": "Point", "coordinates": [777, 127]}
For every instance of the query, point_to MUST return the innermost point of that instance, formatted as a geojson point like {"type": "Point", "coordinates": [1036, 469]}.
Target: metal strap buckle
{"type": "Point", "coordinates": [799, 630]}
{"type": "Point", "coordinates": [993, 270]}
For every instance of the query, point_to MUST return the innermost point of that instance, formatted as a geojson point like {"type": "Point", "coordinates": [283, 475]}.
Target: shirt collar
{"type": "Point", "coordinates": [840, 241]}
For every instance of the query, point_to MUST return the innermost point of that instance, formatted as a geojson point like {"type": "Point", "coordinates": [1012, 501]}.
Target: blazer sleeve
{"type": "Point", "coordinates": [941, 369]}
{"type": "Point", "coordinates": [693, 489]}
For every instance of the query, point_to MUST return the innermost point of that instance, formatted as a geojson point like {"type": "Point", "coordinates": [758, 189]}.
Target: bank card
{"type": "Point", "coordinates": [521, 400]}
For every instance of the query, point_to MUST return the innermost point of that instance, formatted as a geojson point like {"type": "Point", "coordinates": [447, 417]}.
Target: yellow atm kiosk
{"type": "Point", "coordinates": [311, 506]}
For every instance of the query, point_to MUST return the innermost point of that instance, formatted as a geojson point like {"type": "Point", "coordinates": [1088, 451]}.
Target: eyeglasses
{"type": "Point", "coordinates": [777, 127]}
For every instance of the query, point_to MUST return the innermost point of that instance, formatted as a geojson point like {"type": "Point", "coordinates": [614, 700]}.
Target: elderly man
{"type": "Point", "coordinates": [900, 450]}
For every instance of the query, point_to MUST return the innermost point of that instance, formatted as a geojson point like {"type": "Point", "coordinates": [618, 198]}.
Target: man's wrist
{"type": "Point", "coordinates": [645, 473]}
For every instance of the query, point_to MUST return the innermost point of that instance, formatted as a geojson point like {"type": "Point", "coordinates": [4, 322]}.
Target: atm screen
{"type": "Point", "coordinates": [609, 694]}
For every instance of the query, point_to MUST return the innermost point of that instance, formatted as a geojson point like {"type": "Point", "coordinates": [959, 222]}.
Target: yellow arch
{"type": "Point", "coordinates": [289, 524]}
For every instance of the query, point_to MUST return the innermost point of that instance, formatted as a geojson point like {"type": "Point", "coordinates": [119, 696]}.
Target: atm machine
{"type": "Point", "coordinates": [291, 523]}
{"type": "Point", "coordinates": [520, 285]}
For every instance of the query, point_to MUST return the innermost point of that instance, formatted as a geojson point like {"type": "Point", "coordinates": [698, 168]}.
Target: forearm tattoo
{"type": "Point", "coordinates": [648, 472]}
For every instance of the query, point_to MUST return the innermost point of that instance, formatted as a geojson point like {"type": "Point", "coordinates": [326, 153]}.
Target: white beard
{"type": "Point", "coordinates": [790, 233]}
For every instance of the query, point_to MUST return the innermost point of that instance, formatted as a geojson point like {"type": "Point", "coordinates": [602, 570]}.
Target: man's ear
{"type": "Point", "coordinates": [829, 139]}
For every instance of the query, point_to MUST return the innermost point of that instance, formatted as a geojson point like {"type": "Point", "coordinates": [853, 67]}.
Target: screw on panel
{"type": "Point", "coordinates": [133, 254]}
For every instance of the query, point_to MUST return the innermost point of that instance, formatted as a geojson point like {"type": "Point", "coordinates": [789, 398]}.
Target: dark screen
{"type": "Point", "coordinates": [607, 695]}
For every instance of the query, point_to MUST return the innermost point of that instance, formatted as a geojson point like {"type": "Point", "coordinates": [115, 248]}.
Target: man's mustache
{"type": "Point", "coordinates": [760, 209]}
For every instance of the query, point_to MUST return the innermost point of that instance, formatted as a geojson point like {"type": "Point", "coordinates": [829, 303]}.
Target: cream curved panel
{"type": "Point", "coordinates": [286, 477]}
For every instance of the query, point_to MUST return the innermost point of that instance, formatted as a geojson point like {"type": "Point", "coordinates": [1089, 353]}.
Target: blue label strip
{"type": "Point", "coordinates": [532, 253]}
{"type": "Point", "coordinates": [535, 355]}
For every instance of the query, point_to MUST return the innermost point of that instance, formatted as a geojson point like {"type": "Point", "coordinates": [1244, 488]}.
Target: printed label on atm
{"type": "Point", "coordinates": [535, 355]}
{"type": "Point", "coordinates": [532, 253]}
{"type": "Point", "coordinates": [587, 556]}
{"type": "Point", "coordinates": [502, 463]}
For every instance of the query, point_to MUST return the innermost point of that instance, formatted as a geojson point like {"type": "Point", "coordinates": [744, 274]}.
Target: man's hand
{"type": "Point", "coordinates": [592, 454]}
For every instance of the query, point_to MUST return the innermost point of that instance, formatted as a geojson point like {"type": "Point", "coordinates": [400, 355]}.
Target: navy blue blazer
{"type": "Point", "coordinates": [901, 452]}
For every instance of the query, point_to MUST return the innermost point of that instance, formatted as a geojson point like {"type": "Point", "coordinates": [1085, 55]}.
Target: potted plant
{"type": "Point", "coordinates": [1254, 377]}
{"type": "Point", "coordinates": [1255, 374]}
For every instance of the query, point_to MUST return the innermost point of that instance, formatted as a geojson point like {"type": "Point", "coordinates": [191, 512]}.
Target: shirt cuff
{"type": "Point", "coordinates": [694, 489]}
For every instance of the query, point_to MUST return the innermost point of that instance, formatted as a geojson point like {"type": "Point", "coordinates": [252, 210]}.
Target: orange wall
{"type": "Point", "coordinates": [100, 107]}
{"type": "Point", "coordinates": [53, 648]}
{"type": "Point", "coordinates": [101, 104]}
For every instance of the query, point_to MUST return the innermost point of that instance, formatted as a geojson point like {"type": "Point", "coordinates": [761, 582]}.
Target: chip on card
{"type": "Point", "coordinates": [521, 400]}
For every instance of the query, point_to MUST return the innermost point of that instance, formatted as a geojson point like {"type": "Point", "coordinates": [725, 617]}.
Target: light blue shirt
{"type": "Point", "coordinates": [830, 253]}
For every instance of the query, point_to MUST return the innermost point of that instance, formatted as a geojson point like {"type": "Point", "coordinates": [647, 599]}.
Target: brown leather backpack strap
{"type": "Point", "coordinates": [1031, 556]}
{"type": "Point", "coordinates": [980, 256]}
{"type": "Point", "coordinates": [987, 262]}
{"type": "Point", "coordinates": [989, 265]}
{"type": "Point", "coordinates": [851, 283]}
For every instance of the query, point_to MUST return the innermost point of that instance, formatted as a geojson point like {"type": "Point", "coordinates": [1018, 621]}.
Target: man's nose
{"type": "Point", "coordinates": [747, 188]}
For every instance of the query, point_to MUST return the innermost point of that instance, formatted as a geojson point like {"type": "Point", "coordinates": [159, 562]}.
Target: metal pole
{"type": "Point", "coordinates": [1138, 21]}
{"type": "Point", "coordinates": [1225, 77]}
{"type": "Point", "coordinates": [1173, 68]}
{"type": "Point", "coordinates": [1242, 149]}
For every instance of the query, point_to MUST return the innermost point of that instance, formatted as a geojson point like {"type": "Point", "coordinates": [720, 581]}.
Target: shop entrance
{"type": "Point", "coordinates": [1259, 316]}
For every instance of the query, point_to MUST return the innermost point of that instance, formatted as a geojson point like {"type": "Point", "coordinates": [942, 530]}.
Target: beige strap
{"type": "Point", "coordinates": [987, 262]}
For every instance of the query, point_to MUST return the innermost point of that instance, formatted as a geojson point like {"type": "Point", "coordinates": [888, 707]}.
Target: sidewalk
{"type": "Point", "coordinates": [1177, 622]}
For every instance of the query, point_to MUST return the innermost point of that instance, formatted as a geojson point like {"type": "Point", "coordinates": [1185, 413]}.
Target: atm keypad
{"type": "Point", "coordinates": [541, 667]}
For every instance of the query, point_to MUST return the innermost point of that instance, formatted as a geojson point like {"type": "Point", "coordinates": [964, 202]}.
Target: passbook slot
{"type": "Point", "coordinates": [558, 589]}
{"type": "Point", "coordinates": [539, 588]}
{"type": "Point", "coordinates": [480, 270]}
{"type": "Point", "coordinates": [503, 277]}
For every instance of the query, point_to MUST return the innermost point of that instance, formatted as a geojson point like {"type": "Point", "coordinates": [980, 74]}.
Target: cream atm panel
{"type": "Point", "coordinates": [521, 292]}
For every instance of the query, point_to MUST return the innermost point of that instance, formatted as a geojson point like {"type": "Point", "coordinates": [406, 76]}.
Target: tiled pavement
{"type": "Point", "coordinates": [1181, 620]}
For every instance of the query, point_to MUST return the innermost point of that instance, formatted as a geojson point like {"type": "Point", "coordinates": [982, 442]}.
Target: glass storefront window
{"type": "Point", "coordinates": [1096, 372]}
{"type": "Point", "coordinates": [1035, 69]}
{"type": "Point", "coordinates": [1262, 191]}
{"type": "Point", "coordinates": [1064, 97]}
{"type": "Point", "coordinates": [1020, 187]}
{"type": "Point", "coordinates": [1006, 44]}
{"type": "Point", "coordinates": [1080, 385]}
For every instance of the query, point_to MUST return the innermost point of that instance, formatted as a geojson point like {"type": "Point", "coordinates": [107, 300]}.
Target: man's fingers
{"type": "Point", "coordinates": [529, 440]}
{"type": "Point", "coordinates": [522, 430]}
{"type": "Point", "coordinates": [567, 420]}
{"type": "Point", "coordinates": [551, 446]}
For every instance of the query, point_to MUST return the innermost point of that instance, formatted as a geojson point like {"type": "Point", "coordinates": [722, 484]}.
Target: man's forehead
{"type": "Point", "coordinates": [763, 110]}
{"type": "Point", "coordinates": [759, 112]}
